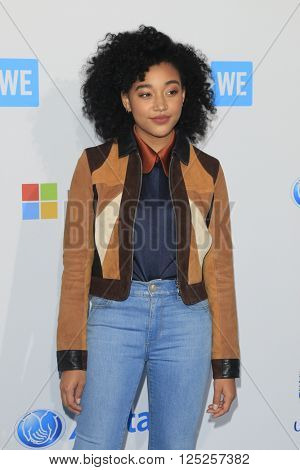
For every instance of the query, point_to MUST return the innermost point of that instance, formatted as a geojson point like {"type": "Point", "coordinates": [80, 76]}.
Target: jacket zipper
{"type": "Point", "coordinates": [177, 281]}
{"type": "Point", "coordinates": [132, 232]}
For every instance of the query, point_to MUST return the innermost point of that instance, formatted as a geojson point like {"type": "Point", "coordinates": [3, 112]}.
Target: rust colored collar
{"type": "Point", "coordinates": [150, 156]}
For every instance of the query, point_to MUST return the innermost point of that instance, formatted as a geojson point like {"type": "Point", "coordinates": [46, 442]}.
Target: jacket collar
{"type": "Point", "coordinates": [181, 149]}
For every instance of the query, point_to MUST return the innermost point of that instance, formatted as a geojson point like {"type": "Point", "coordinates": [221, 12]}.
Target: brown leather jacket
{"type": "Point", "coordinates": [98, 248]}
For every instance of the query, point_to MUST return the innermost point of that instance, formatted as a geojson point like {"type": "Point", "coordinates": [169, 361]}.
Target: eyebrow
{"type": "Point", "coordinates": [147, 85]}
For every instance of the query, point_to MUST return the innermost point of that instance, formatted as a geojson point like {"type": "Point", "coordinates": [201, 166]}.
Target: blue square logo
{"type": "Point", "coordinates": [232, 83]}
{"type": "Point", "coordinates": [31, 210]}
{"type": "Point", "coordinates": [19, 82]}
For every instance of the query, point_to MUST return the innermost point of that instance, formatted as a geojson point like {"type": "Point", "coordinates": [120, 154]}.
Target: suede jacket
{"type": "Point", "coordinates": [98, 243]}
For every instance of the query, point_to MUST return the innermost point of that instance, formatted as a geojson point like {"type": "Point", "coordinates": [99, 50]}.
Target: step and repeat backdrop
{"type": "Point", "coordinates": [252, 49]}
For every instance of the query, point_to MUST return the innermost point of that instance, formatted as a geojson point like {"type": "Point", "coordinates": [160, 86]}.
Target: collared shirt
{"type": "Point", "coordinates": [150, 157]}
{"type": "Point", "coordinates": [154, 228]}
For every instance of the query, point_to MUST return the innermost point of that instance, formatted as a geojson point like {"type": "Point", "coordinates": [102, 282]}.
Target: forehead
{"type": "Point", "coordinates": [162, 74]}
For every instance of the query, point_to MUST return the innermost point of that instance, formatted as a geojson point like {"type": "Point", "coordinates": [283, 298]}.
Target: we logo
{"type": "Point", "coordinates": [19, 83]}
{"type": "Point", "coordinates": [232, 83]}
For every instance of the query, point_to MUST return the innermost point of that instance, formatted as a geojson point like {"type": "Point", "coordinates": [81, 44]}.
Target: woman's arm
{"type": "Point", "coordinates": [218, 274]}
{"type": "Point", "coordinates": [78, 254]}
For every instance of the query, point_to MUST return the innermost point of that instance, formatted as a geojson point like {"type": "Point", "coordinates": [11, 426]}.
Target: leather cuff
{"type": "Point", "coordinates": [225, 368]}
{"type": "Point", "coordinates": [71, 359]}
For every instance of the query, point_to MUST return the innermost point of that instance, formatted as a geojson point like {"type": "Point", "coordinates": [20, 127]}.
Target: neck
{"type": "Point", "coordinates": [156, 143]}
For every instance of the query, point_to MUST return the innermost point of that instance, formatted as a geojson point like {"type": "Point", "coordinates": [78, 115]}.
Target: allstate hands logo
{"type": "Point", "coordinates": [296, 192]}
{"type": "Point", "coordinates": [40, 428]}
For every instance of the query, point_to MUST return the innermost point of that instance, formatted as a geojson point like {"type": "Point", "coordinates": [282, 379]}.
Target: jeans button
{"type": "Point", "coordinates": [152, 287]}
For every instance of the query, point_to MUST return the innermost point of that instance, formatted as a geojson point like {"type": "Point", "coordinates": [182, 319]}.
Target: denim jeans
{"type": "Point", "coordinates": [152, 328]}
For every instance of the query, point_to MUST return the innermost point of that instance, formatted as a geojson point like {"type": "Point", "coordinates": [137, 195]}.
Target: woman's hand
{"type": "Point", "coordinates": [220, 406]}
{"type": "Point", "coordinates": [71, 386]}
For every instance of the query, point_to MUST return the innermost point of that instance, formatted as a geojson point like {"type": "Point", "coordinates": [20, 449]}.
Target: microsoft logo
{"type": "Point", "coordinates": [39, 201]}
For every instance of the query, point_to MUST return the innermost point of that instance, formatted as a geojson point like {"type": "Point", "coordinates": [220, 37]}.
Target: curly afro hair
{"type": "Point", "coordinates": [126, 57]}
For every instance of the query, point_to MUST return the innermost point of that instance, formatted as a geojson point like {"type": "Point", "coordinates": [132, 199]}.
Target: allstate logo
{"type": "Point", "coordinates": [296, 192]}
{"type": "Point", "coordinates": [40, 428]}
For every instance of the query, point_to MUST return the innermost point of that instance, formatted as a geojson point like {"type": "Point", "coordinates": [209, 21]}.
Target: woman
{"type": "Point", "coordinates": [150, 247]}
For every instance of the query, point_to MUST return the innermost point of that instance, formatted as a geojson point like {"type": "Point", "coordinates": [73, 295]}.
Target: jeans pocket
{"type": "Point", "coordinates": [98, 303]}
{"type": "Point", "coordinates": [201, 305]}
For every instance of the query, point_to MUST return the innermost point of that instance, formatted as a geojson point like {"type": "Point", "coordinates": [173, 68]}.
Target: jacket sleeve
{"type": "Point", "coordinates": [218, 273]}
{"type": "Point", "coordinates": [78, 254]}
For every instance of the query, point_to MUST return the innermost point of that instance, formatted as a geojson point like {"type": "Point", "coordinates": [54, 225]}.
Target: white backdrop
{"type": "Point", "coordinates": [258, 145]}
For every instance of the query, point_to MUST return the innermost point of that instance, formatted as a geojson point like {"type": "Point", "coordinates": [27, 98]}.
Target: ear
{"type": "Point", "coordinates": [183, 93]}
{"type": "Point", "coordinates": [125, 100]}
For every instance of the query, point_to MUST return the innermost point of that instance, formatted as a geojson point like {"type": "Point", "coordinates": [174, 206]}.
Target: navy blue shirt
{"type": "Point", "coordinates": [154, 228]}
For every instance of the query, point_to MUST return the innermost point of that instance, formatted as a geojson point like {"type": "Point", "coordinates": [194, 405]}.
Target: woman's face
{"type": "Point", "coordinates": [160, 94]}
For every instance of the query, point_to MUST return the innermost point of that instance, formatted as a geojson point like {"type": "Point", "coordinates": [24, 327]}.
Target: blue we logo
{"type": "Point", "coordinates": [233, 84]}
{"type": "Point", "coordinates": [19, 84]}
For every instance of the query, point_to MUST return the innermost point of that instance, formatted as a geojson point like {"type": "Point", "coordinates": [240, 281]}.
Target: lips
{"type": "Point", "coordinates": [161, 119]}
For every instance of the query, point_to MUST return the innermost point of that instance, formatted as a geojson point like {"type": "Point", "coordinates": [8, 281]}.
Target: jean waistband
{"type": "Point", "coordinates": [155, 287]}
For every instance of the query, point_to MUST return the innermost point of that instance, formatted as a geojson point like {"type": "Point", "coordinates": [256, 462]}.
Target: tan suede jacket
{"type": "Point", "coordinates": [98, 246]}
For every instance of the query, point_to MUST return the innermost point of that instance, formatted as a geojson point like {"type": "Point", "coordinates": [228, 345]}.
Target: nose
{"type": "Point", "coordinates": [160, 103]}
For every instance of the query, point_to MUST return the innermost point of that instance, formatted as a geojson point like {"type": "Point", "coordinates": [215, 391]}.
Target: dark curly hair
{"type": "Point", "coordinates": [125, 58]}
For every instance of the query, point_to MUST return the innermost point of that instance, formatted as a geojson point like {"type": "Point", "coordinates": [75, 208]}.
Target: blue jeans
{"type": "Point", "coordinates": [152, 328]}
